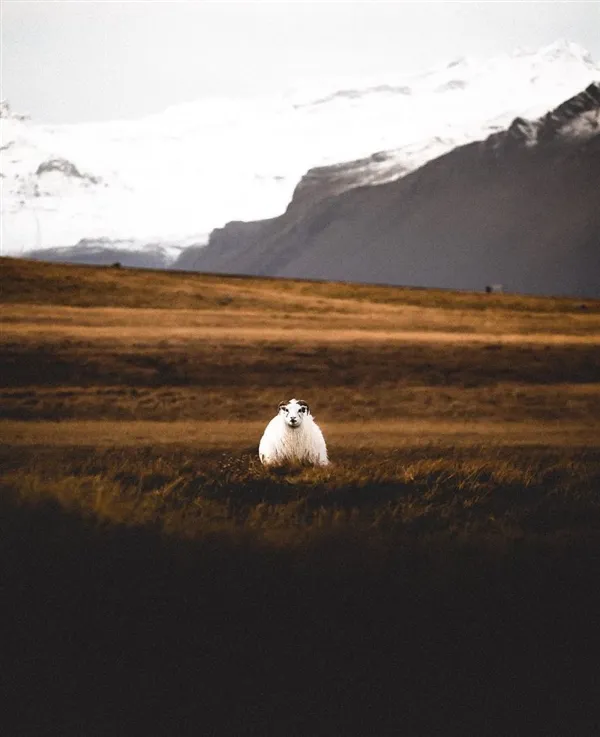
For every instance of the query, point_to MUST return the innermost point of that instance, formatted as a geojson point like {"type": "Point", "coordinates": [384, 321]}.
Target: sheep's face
{"type": "Point", "coordinates": [294, 412]}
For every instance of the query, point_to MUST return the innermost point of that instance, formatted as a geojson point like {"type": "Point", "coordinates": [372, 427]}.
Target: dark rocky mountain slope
{"type": "Point", "coordinates": [521, 208]}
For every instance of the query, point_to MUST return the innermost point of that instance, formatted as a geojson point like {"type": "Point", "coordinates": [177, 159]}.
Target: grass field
{"type": "Point", "coordinates": [441, 577]}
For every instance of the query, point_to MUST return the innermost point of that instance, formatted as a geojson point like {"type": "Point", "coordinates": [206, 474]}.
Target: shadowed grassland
{"type": "Point", "coordinates": [440, 578]}
{"type": "Point", "coordinates": [171, 589]}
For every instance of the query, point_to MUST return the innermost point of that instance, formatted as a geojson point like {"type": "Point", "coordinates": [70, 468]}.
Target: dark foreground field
{"type": "Point", "coordinates": [440, 578]}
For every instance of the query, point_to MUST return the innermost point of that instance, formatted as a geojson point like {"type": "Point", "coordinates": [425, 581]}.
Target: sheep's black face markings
{"type": "Point", "coordinates": [294, 412]}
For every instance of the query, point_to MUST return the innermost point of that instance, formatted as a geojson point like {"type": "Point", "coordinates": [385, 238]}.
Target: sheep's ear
{"type": "Point", "coordinates": [281, 406]}
{"type": "Point", "coordinates": [302, 403]}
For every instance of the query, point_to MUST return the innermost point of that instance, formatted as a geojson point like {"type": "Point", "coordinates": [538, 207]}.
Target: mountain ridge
{"type": "Point", "coordinates": [520, 208]}
{"type": "Point", "coordinates": [175, 176]}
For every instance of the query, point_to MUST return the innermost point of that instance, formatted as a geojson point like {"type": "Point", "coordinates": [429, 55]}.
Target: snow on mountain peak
{"type": "Point", "coordinates": [564, 50]}
{"type": "Point", "coordinates": [179, 174]}
{"type": "Point", "coordinates": [6, 112]}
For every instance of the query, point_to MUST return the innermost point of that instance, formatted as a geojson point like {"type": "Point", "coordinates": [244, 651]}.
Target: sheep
{"type": "Point", "coordinates": [292, 436]}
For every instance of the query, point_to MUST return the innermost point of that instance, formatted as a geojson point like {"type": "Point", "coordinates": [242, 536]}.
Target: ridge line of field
{"type": "Point", "coordinates": [268, 334]}
{"type": "Point", "coordinates": [236, 434]}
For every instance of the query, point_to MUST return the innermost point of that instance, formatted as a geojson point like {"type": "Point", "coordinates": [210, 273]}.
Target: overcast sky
{"type": "Point", "coordinates": [72, 61]}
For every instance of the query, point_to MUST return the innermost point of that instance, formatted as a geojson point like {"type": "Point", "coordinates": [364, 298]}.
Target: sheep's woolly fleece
{"type": "Point", "coordinates": [293, 436]}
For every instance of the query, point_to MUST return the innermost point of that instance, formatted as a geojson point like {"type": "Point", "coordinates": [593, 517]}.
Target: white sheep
{"type": "Point", "coordinates": [293, 436]}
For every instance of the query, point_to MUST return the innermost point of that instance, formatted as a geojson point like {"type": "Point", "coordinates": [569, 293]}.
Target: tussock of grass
{"type": "Point", "coordinates": [489, 498]}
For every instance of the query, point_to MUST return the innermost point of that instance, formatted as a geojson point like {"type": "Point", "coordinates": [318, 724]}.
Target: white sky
{"type": "Point", "coordinates": [73, 61]}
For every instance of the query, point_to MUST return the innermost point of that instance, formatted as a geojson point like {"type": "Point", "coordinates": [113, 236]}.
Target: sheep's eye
{"type": "Point", "coordinates": [302, 410]}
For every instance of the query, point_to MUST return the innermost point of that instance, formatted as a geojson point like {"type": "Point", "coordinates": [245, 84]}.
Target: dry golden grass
{"type": "Point", "coordinates": [33, 282]}
{"type": "Point", "coordinates": [245, 328]}
{"type": "Point", "coordinates": [564, 404]}
{"type": "Point", "coordinates": [439, 578]}
{"type": "Point", "coordinates": [233, 436]}
{"type": "Point", "coordinates": [100, 362]}
{"type": "Point", "coordinates": [270, 307]}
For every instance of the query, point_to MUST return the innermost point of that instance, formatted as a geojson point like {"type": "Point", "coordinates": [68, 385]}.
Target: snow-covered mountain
{"type": "Point", "coordinates": [520, 208]}
{"type": "Point", "coordinates": [171, 178]}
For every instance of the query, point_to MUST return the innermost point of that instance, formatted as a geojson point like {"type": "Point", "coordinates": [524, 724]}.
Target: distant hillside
{"type": "Point", "coordinates": [521, 208]}
{"type": "Point", "coordinates": [30, 282]}
{"type": "Point", "coordinates": [105, 252]}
